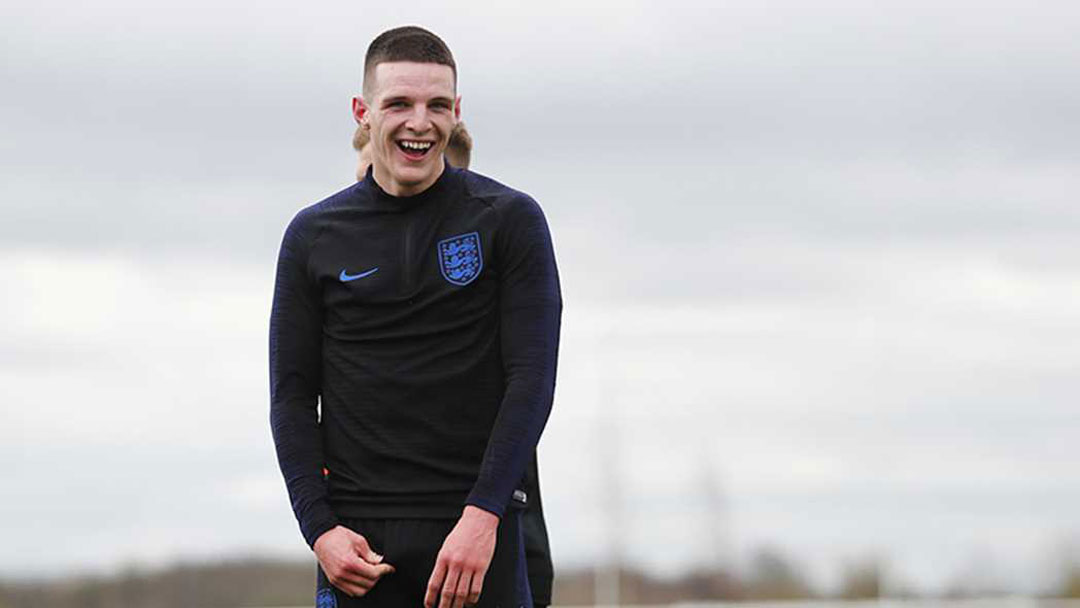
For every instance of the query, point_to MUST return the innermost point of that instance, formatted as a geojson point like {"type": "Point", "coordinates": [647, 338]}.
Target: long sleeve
{"type": "Point", "coordinates": [295, 383]}
{"type": "Point", "coordinates": [530, 308]}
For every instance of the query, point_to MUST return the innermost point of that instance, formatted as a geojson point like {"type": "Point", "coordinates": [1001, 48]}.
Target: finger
{"type": "Point", "coordinates": [347, 579]}
{"type": "Point", "coordinates": [476, 587]}
{"type": "Point", "coordinates": [435, 584]}
{"type": "Point", "coordinates": [462, 592]}
{"type": "Point", "coordinates": [353, 589]}
{"type": "Point", "coordinates": [363, 569]}
{"type": "Point", "coordinates": [357, 569]}
{"type": "Point", "coordinates": [446, 596]}
{"type": "Point", "coordinates": [364, 549]}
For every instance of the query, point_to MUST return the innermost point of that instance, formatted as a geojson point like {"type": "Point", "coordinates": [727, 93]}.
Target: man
{"type": "Point", "coordinates": [419, 309]}
{"type": "Point", "coordinates": [537, 549]}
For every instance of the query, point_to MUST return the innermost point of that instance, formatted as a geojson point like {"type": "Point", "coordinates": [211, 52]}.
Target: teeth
{"type": "Point", "coordinates": [416, 145]}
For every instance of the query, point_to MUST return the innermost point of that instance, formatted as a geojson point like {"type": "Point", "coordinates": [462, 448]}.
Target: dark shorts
{"type": "Point", "coordinates": [411, 546]}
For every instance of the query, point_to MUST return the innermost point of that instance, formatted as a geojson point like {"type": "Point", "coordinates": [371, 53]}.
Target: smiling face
{"type": "Point", "coordinates": [409, 110]}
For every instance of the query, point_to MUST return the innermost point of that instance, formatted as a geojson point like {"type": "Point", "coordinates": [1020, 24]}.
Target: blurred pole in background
{"type": "Point", "coordinates": [606, 582]}
{"type": "Point", "coordinates": [719, 555]}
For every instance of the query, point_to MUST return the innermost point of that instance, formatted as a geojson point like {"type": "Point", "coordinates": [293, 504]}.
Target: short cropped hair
{"type": "Point", "coordinates": [406, 43]}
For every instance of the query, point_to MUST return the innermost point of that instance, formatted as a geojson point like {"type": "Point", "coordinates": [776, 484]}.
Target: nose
{"type": "Point", "coordinates": [419, 121]}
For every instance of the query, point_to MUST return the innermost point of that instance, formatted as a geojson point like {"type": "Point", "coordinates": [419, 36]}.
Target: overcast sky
{"type": "Point", "coordinates": [819, 260]}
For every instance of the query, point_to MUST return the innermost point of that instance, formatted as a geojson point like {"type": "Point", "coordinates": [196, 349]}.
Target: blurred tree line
{"type": "Point", "coordinates": [265, 583]}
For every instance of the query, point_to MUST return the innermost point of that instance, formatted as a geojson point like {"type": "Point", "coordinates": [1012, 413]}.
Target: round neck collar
{"type": "Point", "coordinates": [386, 201]}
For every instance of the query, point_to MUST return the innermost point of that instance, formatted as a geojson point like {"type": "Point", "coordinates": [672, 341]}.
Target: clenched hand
{"type": "Point", "coordinates": [349, 562]}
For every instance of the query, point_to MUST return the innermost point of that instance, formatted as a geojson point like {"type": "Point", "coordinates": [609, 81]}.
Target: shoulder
{"type": "Point", "coordinates": [521, 221]}
{"type": "Point", "coordinates": [506, 201]}
{"type": "Point", "coordinates": [310, 220]}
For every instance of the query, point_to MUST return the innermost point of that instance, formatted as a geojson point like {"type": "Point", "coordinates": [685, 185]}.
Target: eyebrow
{"type": "Point", "coordinates": [390, 100]}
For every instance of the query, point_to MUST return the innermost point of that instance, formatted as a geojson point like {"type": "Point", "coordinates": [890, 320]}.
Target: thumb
{"type": "Point", "coordinates": [364, 549]}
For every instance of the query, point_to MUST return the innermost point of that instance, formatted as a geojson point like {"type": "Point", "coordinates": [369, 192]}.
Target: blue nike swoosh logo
{"type": "Point", "coordinates": [345, 277]}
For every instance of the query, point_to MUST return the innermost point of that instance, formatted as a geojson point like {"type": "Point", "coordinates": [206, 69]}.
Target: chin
{"type": "Point", "coordinates": [415, 174]}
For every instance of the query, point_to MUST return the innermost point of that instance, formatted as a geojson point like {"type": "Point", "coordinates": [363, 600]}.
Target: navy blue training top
{"type": "Point", "coordinates": [427, 327]}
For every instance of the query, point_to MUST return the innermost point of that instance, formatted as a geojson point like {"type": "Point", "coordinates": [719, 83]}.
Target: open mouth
{"type": "Point", "coordinates": [414, 149]}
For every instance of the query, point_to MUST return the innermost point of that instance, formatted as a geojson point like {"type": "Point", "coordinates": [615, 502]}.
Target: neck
{"type": "Point", "coordinates": [396, 188]}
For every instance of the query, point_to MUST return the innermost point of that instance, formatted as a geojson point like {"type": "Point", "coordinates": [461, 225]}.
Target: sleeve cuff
{"type": "Point", "coordinates": [486, 505]}
{"type": "Point", "coordinates": [313, 532]}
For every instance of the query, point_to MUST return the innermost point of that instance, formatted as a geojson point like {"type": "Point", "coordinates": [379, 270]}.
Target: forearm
{"type": "Point", "coordinates": [300, 456]}
{"type": "Point", "coordinates": [517, 430]}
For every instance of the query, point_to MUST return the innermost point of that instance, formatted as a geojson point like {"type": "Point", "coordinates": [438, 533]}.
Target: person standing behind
{"type": "Point", "coordinates": [537, 548]}
{"type": "Point", "coordinates": [413, 344]}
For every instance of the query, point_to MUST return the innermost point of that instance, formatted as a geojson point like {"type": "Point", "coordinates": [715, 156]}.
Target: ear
{"type": "Point", "coordinates": [457, 107]}
{"type": "Point", "coordinates": [360, 112]}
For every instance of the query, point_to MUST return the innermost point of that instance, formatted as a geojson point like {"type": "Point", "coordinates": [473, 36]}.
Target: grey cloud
{"type": "Point", "coordinates": [847, 124]}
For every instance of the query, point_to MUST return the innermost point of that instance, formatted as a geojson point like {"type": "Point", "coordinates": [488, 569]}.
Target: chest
{"type": "Point", "coordinates": [385, 268]}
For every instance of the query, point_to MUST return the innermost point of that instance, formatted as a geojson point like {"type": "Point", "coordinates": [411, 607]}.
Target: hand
{"type": "Point", "coordinates": [349, 562]}
{"type": "Point", "coordinates": [463, 560]}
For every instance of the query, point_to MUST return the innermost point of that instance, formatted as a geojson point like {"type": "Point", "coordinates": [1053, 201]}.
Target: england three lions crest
{"type": "Point", "coordinates": [460, 258]}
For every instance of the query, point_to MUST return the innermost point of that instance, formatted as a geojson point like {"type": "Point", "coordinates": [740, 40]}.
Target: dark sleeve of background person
{"type": "Point", "coordinates": [537, 549]}
{"type": "Point", "coordinates": [295, 382]}
{"type": "Point", "coordinates": [530, 308]}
